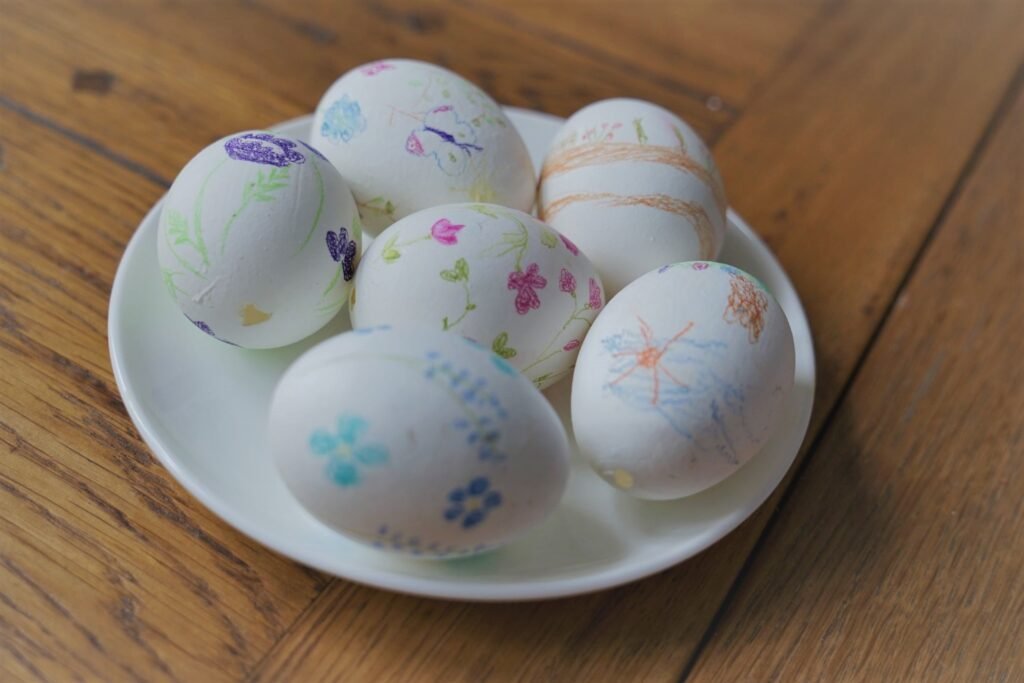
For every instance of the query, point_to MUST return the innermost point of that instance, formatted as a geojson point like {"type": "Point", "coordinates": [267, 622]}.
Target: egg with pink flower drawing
{"type": "Point", "coordinates": [495, 275]}
{"type": "Point", "coordinates": [408, 135]}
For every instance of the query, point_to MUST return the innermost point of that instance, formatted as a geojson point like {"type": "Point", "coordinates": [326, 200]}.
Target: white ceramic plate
{"type": "Point", "coordinates": [201, 406]}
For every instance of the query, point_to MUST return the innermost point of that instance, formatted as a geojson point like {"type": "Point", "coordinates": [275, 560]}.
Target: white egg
{"type": "Point", "coordinates": [682, 379]}
{"type": "Point", "coordinates": [258, 240]}
{"type": "Point", "coordinates": [417, 441]}
{"type": "Point", "coordinates": [408, 135]}
{"type": "Point", "coordinates": [492, 274]}
{"type": "Point", "coordinates": [635, 187]}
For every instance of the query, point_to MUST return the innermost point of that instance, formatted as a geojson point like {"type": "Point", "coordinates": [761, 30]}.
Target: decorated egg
{"type": "Point", "coordinates": [634, 187]}
{"type": "Point", "coordinates": [682, 379]}
{"type": "Point", "coordinates": [417, 441]}
{"type": "Point", "coordinates": [492, 274]}
{"type": "Point", "coordinates": [258, 240]}
{"type": "Point", "coordinates": [408, 135]}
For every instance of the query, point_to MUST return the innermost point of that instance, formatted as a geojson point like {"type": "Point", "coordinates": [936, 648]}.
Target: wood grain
{"type": "Point", "coordinates": [108, 570]}
{"type": "Point", "coordinates": [805, 162]}
{"type": "Point", "coordinates": [258, 68]}
{"type": "Point", "coordinates": [719, 51]}
{"type": "Point", "coordinates": [841, 130]}
{"type": "Point", "coordinates": [900, 553]}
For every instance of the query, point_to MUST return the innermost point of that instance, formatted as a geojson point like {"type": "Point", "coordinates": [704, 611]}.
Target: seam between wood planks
{"type": "Point", "coordinates": [600, 56]}
{"type": "Point", "coordinates": [84, 141]}
{"type": "Point", "coordinates": [1013, 90]}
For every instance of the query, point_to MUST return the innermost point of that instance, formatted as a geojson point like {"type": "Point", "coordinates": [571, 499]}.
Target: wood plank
{"type": "Point", "coordinates": [179, 75]}
{"type": "Point", "coordinates": [719, 50]}
{"type": "Point", "coordinates": [843, 165]}
{"type": "Point", "coordinates": [108, 569]}
{"type": "Point", "coordinates": [900, 553]}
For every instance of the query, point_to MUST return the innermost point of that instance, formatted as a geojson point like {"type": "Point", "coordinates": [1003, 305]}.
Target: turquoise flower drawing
{"type": "Point", "coordinates": [469, 505]}
{"type": "Point", "coordinates": [503, 365]}
{"type": "Point", "coordinates": [343, 120]}
{"type": "Point", "coordinates": [346, 451]}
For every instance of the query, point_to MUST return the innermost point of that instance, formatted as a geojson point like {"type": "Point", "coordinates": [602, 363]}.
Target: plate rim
{"type": "Point", "coordinates": [605, 577]}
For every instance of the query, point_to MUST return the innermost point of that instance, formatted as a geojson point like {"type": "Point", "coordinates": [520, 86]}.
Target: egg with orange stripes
{"type": "Point", "coordinates": [635, 187]}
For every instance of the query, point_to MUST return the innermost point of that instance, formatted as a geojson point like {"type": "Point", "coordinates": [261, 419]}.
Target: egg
{"type": "Point", "coordinates": [490, 273]}
{"type": "Point", "coordinates": [417, 441]}
{"type": "Point", "coordinates": [634, 187]}
{"type": "Point", "coordinates": [408, 135]}
{"type": "Point", "coordinates": [682, 379]}
{"type": "Point", "coordinates": [258, 240]}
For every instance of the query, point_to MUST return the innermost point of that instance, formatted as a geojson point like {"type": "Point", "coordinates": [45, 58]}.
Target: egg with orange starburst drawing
{"type": "Point", "coordinates": [682, 379]}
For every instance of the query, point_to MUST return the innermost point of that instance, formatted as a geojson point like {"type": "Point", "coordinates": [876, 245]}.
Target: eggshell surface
{"type": "Point", "coordinates": [681, 380]}
{"type": "Point", "coordinates": [492, 274]}
{"type": "Point", "coordinates": [407, 135]}
{"type": "Point", "coordinates": [634, 187]}
{"type": "Point", "coordinates": [417, 441]}
{"type": "Point", "coordinates": [258, 240]}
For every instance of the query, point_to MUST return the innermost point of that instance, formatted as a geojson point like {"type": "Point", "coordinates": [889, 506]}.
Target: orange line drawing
{"type": "Point", "coordinates": [746, 305]}
{"type": "Point", "coordinates": [694, 212]}
{"type": "Point", "coordinates": [649, 358]}
{"type": "Point", "coordinates": [593, 154]}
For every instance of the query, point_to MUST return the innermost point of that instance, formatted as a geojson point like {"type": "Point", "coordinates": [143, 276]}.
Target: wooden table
{"type": "Point", "coordinates": [877, 145]}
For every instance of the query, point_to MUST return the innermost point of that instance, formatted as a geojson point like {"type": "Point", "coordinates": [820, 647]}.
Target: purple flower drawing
{"type": "Point", "coordinates": [344, 250]}
{"type": "Point", "coordinates": [264, 148]}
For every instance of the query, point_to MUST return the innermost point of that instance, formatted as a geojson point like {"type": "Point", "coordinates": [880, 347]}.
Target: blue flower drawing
{"type": "Point", "coordinates": [346, 451]}
{"type": "Point", "coordinates": [343, 120]}
{"type": "Point", "coordinates": [480, 407]}
{"type": "Point", "coordinates": [469, 505]}
{"type": "Point", "coordinates": [675, 378]}
{"type": "Point", "coordinates": [503, 365]}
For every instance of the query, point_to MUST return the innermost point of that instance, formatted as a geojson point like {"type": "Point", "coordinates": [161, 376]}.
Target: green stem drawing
{"type": "Point", "coordinates": [517, 242]}
{"type": "Point", "coordinates": [258, 190]}
{"type": "Point", "coordinates": [197, 211]}
{"type": "Point", "coordinates": [469, 306]}
{"type": "Point", "coordinates": [641, 136]}
{"type": "Point", "coordinates": [459, 273]}
{"type": "Point", "coordinates": [391, 251]}
{"type": "Point", "coordinates": [547, 352]}
{"type": "Point", "coordinates": [168, 278]}
{"type": "Point", "coordinates": [319, 207]}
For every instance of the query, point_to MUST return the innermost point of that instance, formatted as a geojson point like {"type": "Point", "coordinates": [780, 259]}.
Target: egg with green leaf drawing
{"type": "Point", "coordinates": [495, 275]}
{"type": "Point", "coordinates": [258, 240]}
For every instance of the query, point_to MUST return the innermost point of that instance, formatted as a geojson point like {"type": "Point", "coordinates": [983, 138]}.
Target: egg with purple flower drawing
{"type": "Point", "coordinates": [682, 379]}
{"type": "Point", "coordinates": [258, 240]}
{"type": "Point", "coordinates": [443, 450]}
{"type": "Point", "coordinates": [408, 135]}
{"type": "Point", "coordinates": [635, 187]}
{"type": "Point", "coordinates": [490, 273]}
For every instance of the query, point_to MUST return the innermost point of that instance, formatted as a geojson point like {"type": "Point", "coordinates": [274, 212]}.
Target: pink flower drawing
{"type": "Point", "coordinates": [445, 232]}
{"type": "Point", "coordinates": [700, 265]}
{"type": "Point", "coordinates": [571, 344]}
{"type": "Point", "coordinates": [570, 246]}
{"type": "Point", "coordinates": [595, 301]}
{"type": "Point", "coordinates": [525, 283]}
{"type": "Point", "coordinates": [376, 68]}
{"type": "Point", "coordinates": [566, 282]}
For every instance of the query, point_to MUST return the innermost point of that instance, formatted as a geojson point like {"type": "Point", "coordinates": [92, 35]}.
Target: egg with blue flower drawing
{"type": "Point", "coordinates": [408, 135]}
{"type": "Point", "coordinates": [258, 240]}
{"type": "Point", "coordinates": [682, 379]}
{"type": "Point", "coordinates": [417, 441]}
{"type": "Point", "coordinates": [635, 187]}
{"type": "Point", "coordinates": [487, 272]}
